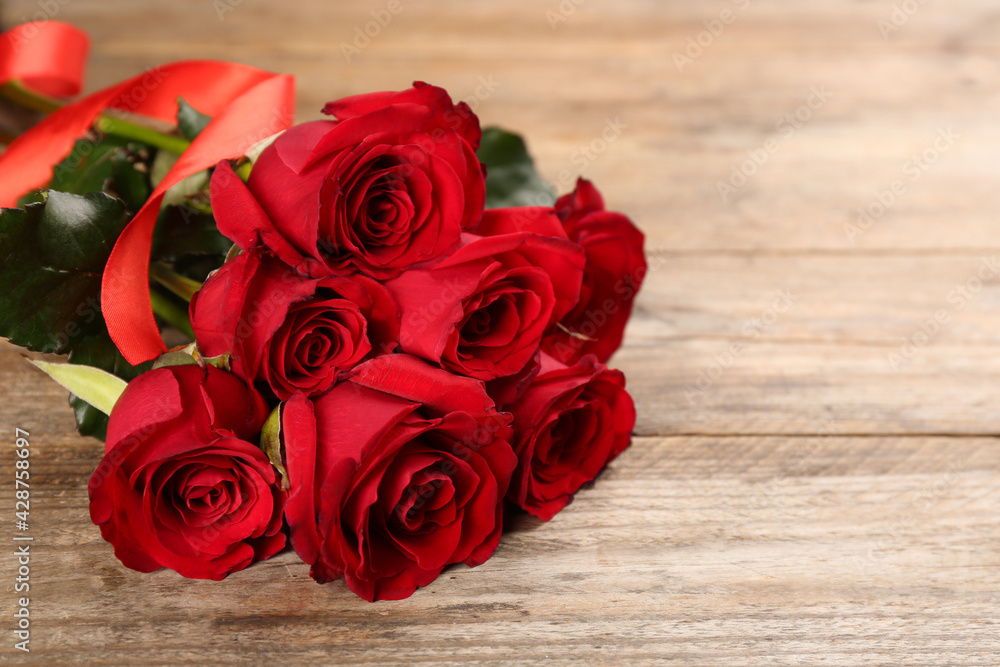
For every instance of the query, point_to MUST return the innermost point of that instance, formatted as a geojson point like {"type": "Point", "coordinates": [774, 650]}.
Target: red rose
{"type": "Point", "coordinates": [290, 332]}
{"type": "Point", "coordinates": [482, 310]}
{"type": "Point", "coordinates": [390, 184]}
{"type": "Point", "coordinates": [181, 484]}
{"type": "Point", "coordinates": [394, 475]}
{"type": "Point", "coordinates": [615, 271]}
{"type": "Point", "coordinates": [570, 422]}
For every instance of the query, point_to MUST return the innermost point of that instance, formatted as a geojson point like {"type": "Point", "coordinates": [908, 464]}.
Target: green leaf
{"type": "Point", "coordinates": [36, 196]}
{"type": "Point", "coordinates": [179, 193]}
{"type": "Point", "coordinates": [181, 232]}
{"type": "Point", "coordinates": [51, 262]}
{"type": "Point", "coordinates": [511, 179]}
{"type": "Point", "coordinates": [161, 165]}
{"type": "Point", "coordinates": [99, 351]}
{"type": "Point", "coordinates": [101, 164]}
{"type": "Point", "coordinates": [99, 388]}
{"type": "Point", "coordinates": [174, 358]}
{"type": "Point", "coordinates": [270, 443]}
{"type": "Point", "coordinates": [87, 166]}
{"type": "Point", "coordinates": [89, 420]}
{"type": "Point", "coordinates": [190, 121]}
{"type": "Point", "coordinates": [130, 180]}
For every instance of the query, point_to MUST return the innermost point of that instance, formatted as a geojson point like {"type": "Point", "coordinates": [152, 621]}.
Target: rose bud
{"type": "Point", "coordinates": [569, 423]}
{"type": "Point", "coordinates": [290, 332]}
{"type": "Point", "coordinates": [389, 184]}
{"type": "Point", "coordinates": [182, 485]}
{"type": "Point", "coordinates": [614, 273]}
{"type": "Point", "coordinates": [394, 475]}
{"type": "Point", "coordinates": [482, 310]}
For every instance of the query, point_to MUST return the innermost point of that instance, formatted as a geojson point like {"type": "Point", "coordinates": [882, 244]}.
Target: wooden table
{"type": "Point", "coordinates": [815, 477]}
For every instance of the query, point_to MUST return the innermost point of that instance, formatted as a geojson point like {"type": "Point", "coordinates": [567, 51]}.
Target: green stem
{"type": "Point", "coordinates": [118, 127]}
{"type": "Point", "coordinates": [180, 285]}
{"type": "Point", "coordinates": [21, 95]}
{"type": "Point", "coordinates": [170, 313]}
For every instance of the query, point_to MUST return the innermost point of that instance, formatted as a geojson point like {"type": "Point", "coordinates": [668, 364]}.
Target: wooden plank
{"type": "Point", "coordinates": [815, 344]}
{"type": "Point", "coordinates": [701, 387]}
{"type": "Point", "coordinates": [870, 299]}
{"type": "Point", "coordinates": [698, 550]}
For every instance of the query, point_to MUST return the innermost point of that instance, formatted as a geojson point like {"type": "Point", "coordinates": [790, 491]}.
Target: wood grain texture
{"type": "Point", "coordinates": [816, 473]}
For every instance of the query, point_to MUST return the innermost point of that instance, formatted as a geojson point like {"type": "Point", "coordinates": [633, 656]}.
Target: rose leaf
{"type": "Point", "coordinates": [190, 121]}
{"type": "Point", "coordinates": [99, 388]}
{"type": "Point", "coordinates": [52, 256]}
{"type": "Point", "coordinates": [511, 179]}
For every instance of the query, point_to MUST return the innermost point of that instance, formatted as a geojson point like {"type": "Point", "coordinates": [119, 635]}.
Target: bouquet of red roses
{"type": "Point", "coordinates": [384, 329]}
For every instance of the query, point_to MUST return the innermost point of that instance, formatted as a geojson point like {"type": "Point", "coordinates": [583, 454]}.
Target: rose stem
{"type": "Point", "coordinates": [182, 286]}
{"type": "Point", "coordinates": [170, 313]}
{"type": "Point", "coordinates": [17, 93]}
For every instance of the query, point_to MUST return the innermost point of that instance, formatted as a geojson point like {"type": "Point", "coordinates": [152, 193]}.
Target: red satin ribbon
{"type": "Point", "coordinates": [48, 57]}
{"type": "Point", "coordinates": [247, 105]}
